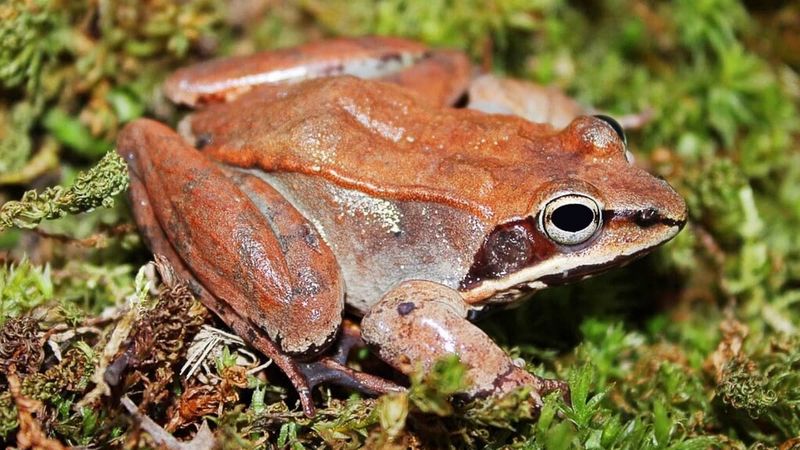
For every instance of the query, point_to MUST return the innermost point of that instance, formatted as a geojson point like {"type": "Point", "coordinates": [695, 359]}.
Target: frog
{"type": "Point", "coordinates": [377, 180]}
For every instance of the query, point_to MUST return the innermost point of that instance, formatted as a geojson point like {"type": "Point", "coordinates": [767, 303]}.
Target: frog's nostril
{"type": "Point", "coordinates": [647, 217]}
{"type": "Point", "coordinates": [203, 141]}
{"type": "Point", "coordinates": [462, 101]}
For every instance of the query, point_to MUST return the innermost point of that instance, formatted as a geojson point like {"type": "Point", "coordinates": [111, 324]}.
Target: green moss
{"type": "Point", "coordinates": [23, 287]}
{"type": "Point", "coordinates": [618, 375]}
{"type": "Point", "coordinates": [15, 128]}
{"type": "Point", "coordinates": [431, 392]}
{"type": "Point", "coordinates": [31, 40]}
{"type": "Point", "coordinates": [72, 375]}
{"type": "Point", "coordinates": [8, 415]}
{"type": "Point", "coordinates": [470, 24]}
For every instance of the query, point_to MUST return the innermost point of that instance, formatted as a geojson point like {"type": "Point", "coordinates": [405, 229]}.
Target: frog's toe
{"type": "Point", "coordinates": [331, 369]}
{"type": "Point", "coordinates": [327, 370]}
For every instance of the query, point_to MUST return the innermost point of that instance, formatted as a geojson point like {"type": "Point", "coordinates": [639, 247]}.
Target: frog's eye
{"type": "Point", "coordinates": [615, 125]}
{"type": "Point", "coordinates": [570, 219]}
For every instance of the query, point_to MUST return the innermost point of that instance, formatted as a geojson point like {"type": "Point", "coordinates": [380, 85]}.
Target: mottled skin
{"type": "Point", "coordinates": [315, 189]}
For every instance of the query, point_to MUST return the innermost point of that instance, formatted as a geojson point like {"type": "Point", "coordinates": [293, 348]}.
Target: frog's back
{"type": "Point", "coordinates": [376, 138]}
{"type": "Point", "coordinates": [387, 190]}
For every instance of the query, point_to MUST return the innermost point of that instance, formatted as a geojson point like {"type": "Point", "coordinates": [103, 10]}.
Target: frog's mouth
{"type": "Point", "coordinates": [624, 238]}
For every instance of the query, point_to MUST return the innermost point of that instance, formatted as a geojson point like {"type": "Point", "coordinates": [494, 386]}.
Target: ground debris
{"type": "Point", "coordinates": [729, 349]}
{"type": "Point", "coordinates": [203, 440]}
{"type": "Point", "coordinates": [50, 388]}
{"type": "Point", "coordinates": [199, 400]}
{"type": "Point", "coordinates": [158, 339]}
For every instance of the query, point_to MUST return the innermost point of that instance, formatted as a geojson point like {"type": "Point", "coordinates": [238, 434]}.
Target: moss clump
{"type": "Point", "coordinates": [758, 392]}
{"type": "Point", "coordinates": [20, 349]}
{"type": "Point", "coordinates": [30, 45]}
{"type": "Point", "coordinates": [58, 388]}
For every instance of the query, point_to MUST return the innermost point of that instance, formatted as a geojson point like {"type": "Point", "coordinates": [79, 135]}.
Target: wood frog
{"type": "Point", "coordinates": [365, 175]}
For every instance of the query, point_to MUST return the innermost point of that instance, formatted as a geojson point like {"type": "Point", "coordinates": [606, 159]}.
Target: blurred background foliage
{"type": "Point", "coordinates": [695, 346]}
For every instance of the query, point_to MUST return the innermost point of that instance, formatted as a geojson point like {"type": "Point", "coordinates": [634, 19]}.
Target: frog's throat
{"type": "Point", "coordinates": [559, 269]}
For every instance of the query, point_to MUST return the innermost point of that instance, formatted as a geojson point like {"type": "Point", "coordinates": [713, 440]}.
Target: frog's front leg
{"type": "Point", "coordinates": [419, 322]}
{"type": "Point", "coordinates": [249, 256]}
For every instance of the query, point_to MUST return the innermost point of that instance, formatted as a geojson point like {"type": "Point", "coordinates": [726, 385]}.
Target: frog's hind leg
{"type": "Point", "coordinates": [419, 322]}
{"type": "Point", "coordinates": [439, 77]}
{"type": "Point", "coordinates": [224, 79]}
{"type": "Point", "coordinates": [290, 226]}
{"type": "Point", "coordinates": [270, 279]}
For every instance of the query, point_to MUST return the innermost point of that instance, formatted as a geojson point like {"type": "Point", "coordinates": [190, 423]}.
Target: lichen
{"type": "Point", "coordinates": [95, 188]}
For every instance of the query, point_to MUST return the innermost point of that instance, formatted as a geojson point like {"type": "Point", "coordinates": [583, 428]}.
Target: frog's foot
{"type": "Point", "coordinates": [328, 370]}
{"type": "Point", "coordinates": [305, 376]}
{"type": "Point", "coordinates": [420, 322]}
{"type": "Point", "coordinates": [332, 368]}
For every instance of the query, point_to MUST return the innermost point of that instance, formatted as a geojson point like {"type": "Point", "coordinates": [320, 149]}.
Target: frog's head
{"type": "Point", "coordinates": [594, 210]}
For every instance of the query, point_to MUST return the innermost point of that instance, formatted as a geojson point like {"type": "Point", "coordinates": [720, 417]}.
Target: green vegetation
{"type": "Point", "coordinates": [696, 346]}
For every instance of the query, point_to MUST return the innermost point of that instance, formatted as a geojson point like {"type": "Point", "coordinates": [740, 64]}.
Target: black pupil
{"type": "Point", "coordinates": [573, 217]}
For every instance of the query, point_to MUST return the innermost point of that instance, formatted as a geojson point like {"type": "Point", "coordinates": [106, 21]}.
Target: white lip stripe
{"type": "Point", "coordinates": [489, 289]}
